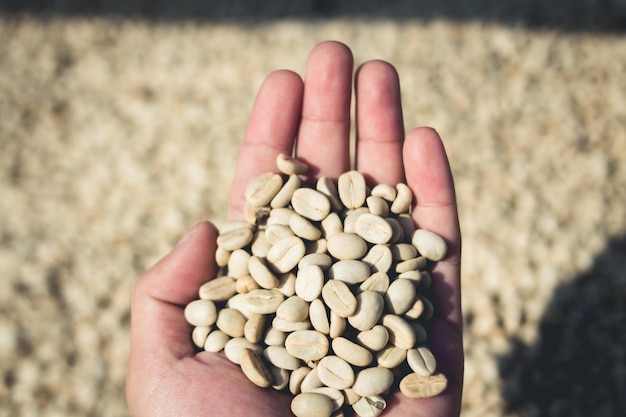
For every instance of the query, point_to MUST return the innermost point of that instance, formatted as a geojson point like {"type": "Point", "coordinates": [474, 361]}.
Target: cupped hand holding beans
{"type": "Point", "coordinates": [167, 373]}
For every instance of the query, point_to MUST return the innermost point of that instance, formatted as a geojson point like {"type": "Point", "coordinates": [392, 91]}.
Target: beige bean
{"type": "Point", "coordinates": [351, 352]}
{"type": "Point", "coordinates": [253, 367]}
{"type": "Point", "coordinates": [284, 195]}
{"type": "Point", "coordinates": [373, 228]}
{"type": "Point", "coordinates": [260, 246]}
{"type": "Point", "coordinates": [391, 357]}
{"type": "Point", "coordinates": [287, 284]}
{"type": "Point", "coordinates": [309, 404]}
{"type": "Point", "coordinates": [222, 256]}
{"type": "Point", "coordinates": [320, 259]}
{"type": "Point", "coordinates": [280, 376]}
{"type": "Point", "coordinates": [373, 381]}
{"type": "Point", "coordinates": [403, 251]}
{"type": "Point", "coordinates": [201, 313]}
{"type": "Point", "coordinates": [378, 282]}
{"type": "Point", "coordinates": [234, 239]}
{"type": "Point", "coordinates": [310, 203]}
{"type": "Point", "coordinates": [416, 309]}
{"type": "Point", "coordinates": [199, 335]}
{"type": "Point", "coordinates": [218, 289]}
{"type": "Point", "coordinates": [335, 395]}
{"type": "Point", "coordinates": [397, 233]}
{"type": "Point", "coordinates": [337, 325]}
{"type": "Point", "coordinates": [236, 345]}
{"type": "Point", "coordinates": [293, 309]}
{"type": "Point", "coordinates": [304, 228]}
{"type": "Point", "coordinates": [384, 191]}
{"type": "Point", "coordinates": [372, 406]}
{"type": "Point", "coordinates": [262, 273]}
{"type": "Point", "coordinates": [351, 217]}
{"type": "Point", "coordinates": [280, 215]}
{"type": "Point", "coordinates": [415, 276]}
{"type": "Point", "coordinates": [413, 264]}
{"type": "Point", "coordinates": [276, 232]}
{"type": "Point", "coordinates": [401, 334]}
{"type": "Point", "coordinates": [307, 344]}
{"type": "Point", "coordinates": [377, 206]}
{"type": "Point", "coordinates": [231, 322]}
{"type": "Point", "coordinates": [216, 341]}
{"type": "Point", "coordinates": [369, 308]}
{"type": "Point", "coordinates": [262, 189]}
{"type": "Point", "coordinates": [263, 301]}
{"type": "Point", "coordinates": [319, 316]}
{"type": "Point", "coordinates": [339, 298]}
{"type": "Point", "coordinates": [254, 328]}
{"type": "Point", "coordinates": [379, 258]}
{"type": "Point", "coordinates": [274, 337]}
{"type": "Point", "coordinates": [350, 271]}
{"type": "Point", "coordinates": [309, 282]}
{"type": "Point", "coordinates": [429, 244]}
{"type": "Point", "coordinates": [352, 189]}
{"type": "Point", "coordinates": [328, 187]}
{"type": "Point", "coordinates": [404, 199]}
{"type": "Point", "coordinates": [278, 356]}
{"type": "Point", "coordinates": [331, 224]}
{"type": "Point", "coordinates": [286, 254]}
{"type": "Point", "coordinates": [374, 339]}
{"type": "Point", "coordinates": [422, 361]}
{"type": "Point", "coordinates": [239, 302]}
{"type": "Point", "coordinates": [335, 372]}
{"type": "Point", "coordinates": [347, 246]}
{"type": "Point", "coordinates": [290, 165]}
{"type": "Point", "coordinates": [246, 284]}
{"type": "Point", "coordinates": [311, 381]}
{"type": "Point", "coordinates": [296, 378]}
{"type": "Point", "coordinates": [400, 296]}
{"type": "Point", "coordinates": [238, 263]}
{"type": "Point", "coordinates": [417, 386]}
{"type": "Point", "coordinates": [290, 326]}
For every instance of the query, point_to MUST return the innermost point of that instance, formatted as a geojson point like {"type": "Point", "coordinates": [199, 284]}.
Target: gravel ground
{"type": "Point", "coordinates": [116, 135]}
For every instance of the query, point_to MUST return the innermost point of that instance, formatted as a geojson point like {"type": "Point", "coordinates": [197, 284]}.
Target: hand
{"type": "Point", "coordinates": [166, 377]}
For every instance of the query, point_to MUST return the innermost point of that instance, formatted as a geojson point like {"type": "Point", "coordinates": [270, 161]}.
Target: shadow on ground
{"type": "Point", "coordinates": [578, 367]}
{"type": "Point", "coordinates": [568, 15]}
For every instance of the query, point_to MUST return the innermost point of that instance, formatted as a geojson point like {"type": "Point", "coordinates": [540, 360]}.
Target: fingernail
{"type": "Point", "coordinates": [188, 235]}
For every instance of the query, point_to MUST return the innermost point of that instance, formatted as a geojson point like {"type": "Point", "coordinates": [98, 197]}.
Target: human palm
{"type": "Point", "coordinates": [166, 376]}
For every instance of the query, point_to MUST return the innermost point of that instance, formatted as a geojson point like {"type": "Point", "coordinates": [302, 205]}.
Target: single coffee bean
{"type": "Point", "coordinates": [335, 395]}
{"type": "Point", "coordinates": [331, 224]}
{"type": "Point", "coordinates": [369, 308]}
{"type": "Point", "coordinates": [263, 301]}
{"type": "Point", "coordinates": [259, 245]}
{"type": "Point", "coordinates": [262, 273]}
{"type": "Point", "coordinates": [320, 259]}
{"type": "Point", "coordinates": [293, 309]}
{"type": "Point", "coordinates": [280, 215]}
{"type": "Point", "coordinates": [311, 380]}
{"type": "Point", "coordinates": [296, 378]}
{"type": "Point", "coordinates": [412, 264]}
{"type": "Point", "coordinates": [352, 189]}
{"type": "Point", "coordinates": [310, 203]}
{"type": "Point", "coordinates": [337, 325]}
{"type": "Point", "coordinates": [403, 251]}
{"type": "Point", "coordinates": [374, 339]}
{"type": "Point", "coordinates": [199, 335]}
{"type": "Point", "coordinates": [274, 337]}
{"type": "Point", "coordinates": [416, 309]}
{"type": "Point", "coordinates": [339, 298]}
{"type": "Point", "coordinates": [303, 228]}
{"type": "Point", "coordinates": [377, 206]}
{"type": "Point", "coordinates": [369, 406]}
{"type": "Point", "coordinates": [397, 233]}
{"type": "Point", "coordinates": [350, 271]}
{"type": "Point", "coordinates": [400, 296]}
{"type": "Point", "coordinates": [283, 197]}
{"type": "Point", "coordinates": [201, 313]}
{"type": "Point", "coordinates": [373, 228]}
{"type": "Point", "coordinates": [290, 326]}
{"type": "Point", "coordinates": [429, 244]}
{"type": "Point", "coordinates": [254, 368]}
{"type": "Point", "coordinates": [379, 258]}
{"type": "Point", "coordinates": [335, 372]}
{"type": "Point", "coordinates": [238, 263]}
{"type": "Point", "coordinates": [347, 246]}
{"type": "Point", "coordinates": [262, 189]}
{"type": "Point", "coordinates": [384, 191]}
{"type": "Point", "coordinates": [246, 284]}
{"type": "Point", "coordinates": [286, 254]}
{"type": "Point", "coordinates": [254, 327]}
{"type": "Point", "coordinates": [236, 345]}
{"type": "Point", "coordinates": [401, 334]}
{"type": "Point", "coordinates": [307, 344]}
{"type": "Point", "coordinates": [278, 356]}
{"type": "Point", "coordinates": [280, 377]}
{"type": "Point", "coordinates": [290, 165]}
{"type": "Point", "coordinates": [231, 322]}
{"type": "Point", "coordinates": [222, 256]}
{"type": "Point", "coordinates": [404, 198]}
{"type": "Point", "coordinates": [215, 341]}
{"type": "Point", "coordinates": [328, 187]}
{"type": "Point", "coordinates": [422, 361]}
{"type": "Point", "coordinates": [287, 284]}
{"type": "Point", "coordinates": [351, 352]}
{"type": "Point", "coordinates": [350, 218]}
{"type": "Point", "coordinates": [417, 386]}
{"type": "Point", "coordinates": [319, 316]}
{"type": "Point", "coordinates": [378, 282]}
{"type": "Point", "coordinates": [372, 381]}
{"type": "Point", "coordinates": [309, 282]}
{"type": "Point", "coordinates": [218, 289]}
{"type": "Point", "coordinates": [235, 238]}
{"type": "Point", "coordinates": [308, 404]}
{"type": "Point", "coordinates": [391, 357]}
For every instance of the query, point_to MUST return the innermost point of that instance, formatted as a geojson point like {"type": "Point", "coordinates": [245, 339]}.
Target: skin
{"type": "Point", "coordinates": [166, 376]}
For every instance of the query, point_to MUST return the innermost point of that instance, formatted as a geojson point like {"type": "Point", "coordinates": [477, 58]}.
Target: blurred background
{"type": "Point", "coordinates": [119, 129]}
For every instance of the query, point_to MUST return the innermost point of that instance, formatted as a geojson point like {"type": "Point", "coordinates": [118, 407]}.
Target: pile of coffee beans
{"type": "Point", "coordinates": [323, 291]}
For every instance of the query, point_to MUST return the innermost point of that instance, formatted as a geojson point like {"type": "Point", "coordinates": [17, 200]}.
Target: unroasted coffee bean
{"type": "Point", "coordinates": [371, 406]}
{"type": "Point", "coordinates": [352, 189]}
{"type": "Point", "coordinates": [429, 244]}
{"type": "Point", "coordinates": [262, 189]}
{"type": "Point", "coordinates": [310, 203]}
{"type": "Point", "coordinates": [372, 381]}
{"type": "Point", "coordinates": [290, 166]}
{"type": "Point", "coordinates": [335, 372]}
{"type": "Point", "coordinates": [201, 313]}
{"type": "Point", "coordinates": [254, 368]}
{"type": "Point", "coordinates": [309, 404]}
{"type": "Point", "coordinates": [307, 344]}
{"type": "Point", "coordinates": [286, 253]}
{"type": "Point", "coordinates": [417, 386]}
{"type": "Point", "coordinates": [351, 352]}
{"type": "Point", "coordinates": [422, 361]}
{"type": "Point", "coordinates": [339, 298]}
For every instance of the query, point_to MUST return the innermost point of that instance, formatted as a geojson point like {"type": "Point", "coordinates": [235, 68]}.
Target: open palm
{"type": "Point", "coordinates": [166, 377]}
